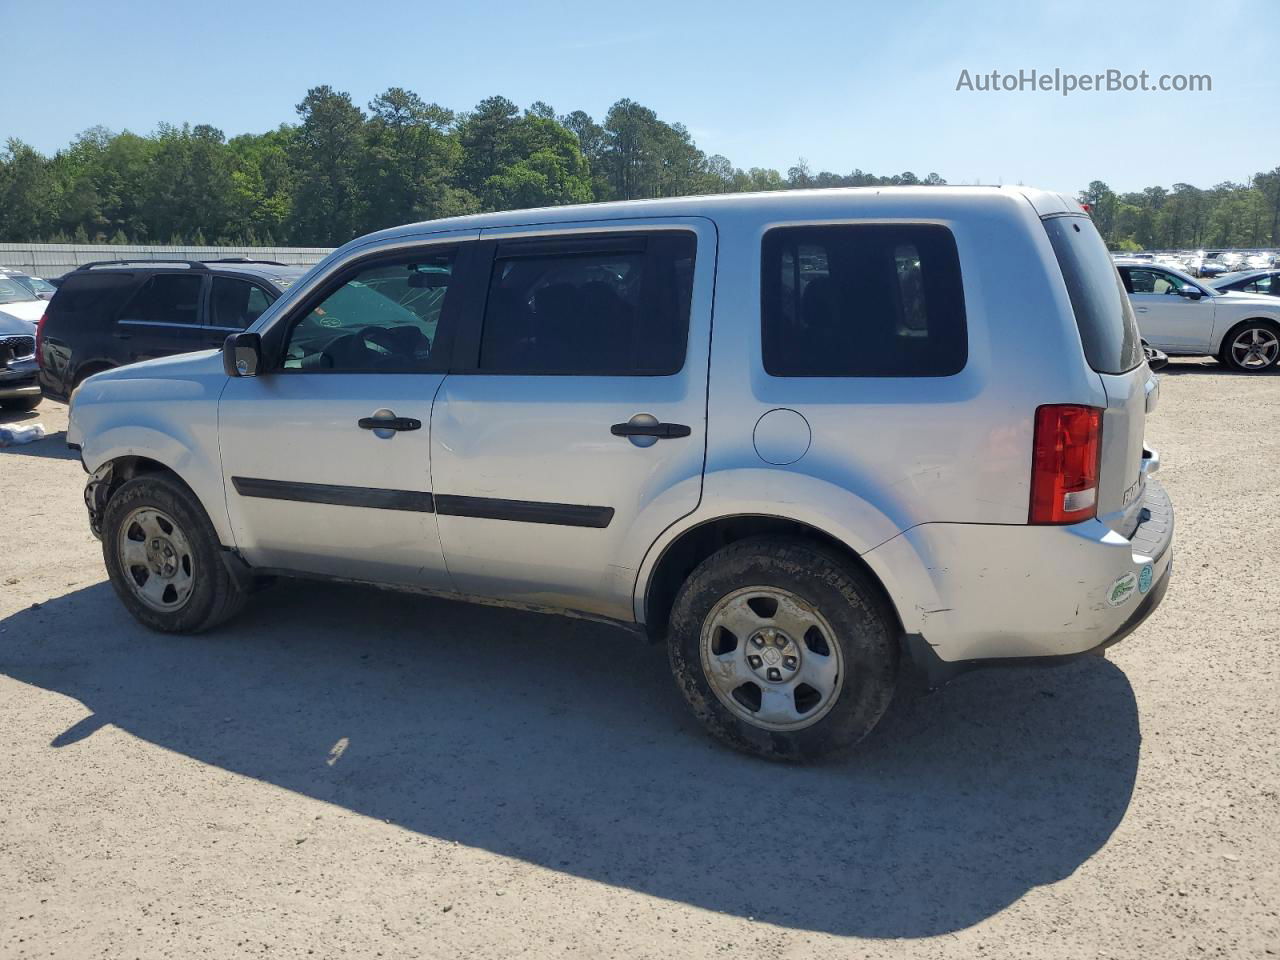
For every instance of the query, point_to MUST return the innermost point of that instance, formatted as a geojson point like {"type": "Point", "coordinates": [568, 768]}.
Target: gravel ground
{"type": "Point", "coordinates": [353, 773]}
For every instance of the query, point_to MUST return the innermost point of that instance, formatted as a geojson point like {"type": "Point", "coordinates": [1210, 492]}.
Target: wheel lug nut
{"type": "Point", "coordinates": [774, 674]}
{"type": "Point", "coordinates": [754, 661]}
{"type": "Point", "coordinates": [789, 662]}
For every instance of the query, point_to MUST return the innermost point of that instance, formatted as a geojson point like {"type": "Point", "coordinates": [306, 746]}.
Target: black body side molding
{"type": "Point", "coordinates": [485, 508]}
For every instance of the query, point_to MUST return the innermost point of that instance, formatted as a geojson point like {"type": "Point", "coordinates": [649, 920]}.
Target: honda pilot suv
{"type": "Point", "coordinates": [811, 440]}
{"type": "Point", "coordinates": [112, 312]}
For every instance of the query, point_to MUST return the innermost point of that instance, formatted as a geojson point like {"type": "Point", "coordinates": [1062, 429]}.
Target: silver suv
{"type": "Point", "coordinates": [812, 440]}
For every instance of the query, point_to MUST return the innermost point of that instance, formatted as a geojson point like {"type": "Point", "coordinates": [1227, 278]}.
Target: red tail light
{"type": "Point", "coordinates": [40, 339]}
{"type": "Point", "coordinates": [1064, 463]}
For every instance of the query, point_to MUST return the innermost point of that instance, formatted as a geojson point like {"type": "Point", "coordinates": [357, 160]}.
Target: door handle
{"type": "Point", "coordinates": [1139, 309]}
{"type": "Point", "coordinates": [122, 336]}
{"type": "Point", "coordinates": [389, 423]}
{"type": "Point", "coordinates": [662, 431]}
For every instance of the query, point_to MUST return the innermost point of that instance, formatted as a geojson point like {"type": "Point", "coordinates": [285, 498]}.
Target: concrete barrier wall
{"type": "Point", "coordinates": [54, 259]}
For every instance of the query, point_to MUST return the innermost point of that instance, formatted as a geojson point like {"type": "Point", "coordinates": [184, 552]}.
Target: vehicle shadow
{"type": "Point", "coordinates": [564, 743]}
{"type": "Point", "coordinates": [17, 416]}
{"type": "Point", "coordinates": [52, 446]}
{"type": "Point", "coordinates": [1193, 365]}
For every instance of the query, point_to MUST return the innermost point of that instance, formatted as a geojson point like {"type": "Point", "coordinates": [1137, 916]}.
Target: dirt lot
{"type": "Point", "coordinates": [352, 773]}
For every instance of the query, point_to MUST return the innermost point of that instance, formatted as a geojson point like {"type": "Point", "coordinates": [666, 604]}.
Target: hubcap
{"type": "Point", "coordinates": [156, 558]}
{"type": "Point", "coordinates": [1255, 348]}
{"type": "Point", "coordinates": [771, 658]}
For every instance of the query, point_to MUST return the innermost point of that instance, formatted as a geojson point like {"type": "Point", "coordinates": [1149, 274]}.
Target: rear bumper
{"type": "Point", "coordinates": [975, 594]}
{"type": "Point", "coordinates": [931, 671]}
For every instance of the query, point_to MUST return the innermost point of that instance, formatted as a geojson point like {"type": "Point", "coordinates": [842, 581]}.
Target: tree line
{"type": "Point", "coordinates": [1188, 217]}
{"type": "Point", "coordinates": [341, 171]}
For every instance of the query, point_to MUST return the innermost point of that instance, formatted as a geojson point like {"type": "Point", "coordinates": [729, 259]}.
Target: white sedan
{"type": "Point", "coordinates": [1183, 317]}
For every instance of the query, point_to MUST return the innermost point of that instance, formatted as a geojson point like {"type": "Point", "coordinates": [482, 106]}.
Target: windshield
{"type": "Point", "coordinates": [35, 284]}
{"type": "Point", "coordinates": [11, 291]}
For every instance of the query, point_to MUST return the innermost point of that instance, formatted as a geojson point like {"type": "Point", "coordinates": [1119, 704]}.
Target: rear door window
{"type": "Point", "coordinates": [1108, 328]}
{"type": "Point", "coordinates": [169, 298]}
{"type": "Point", "coordinates": [589, 306]}
{"type": "Point", "coordinates": [865, 300]}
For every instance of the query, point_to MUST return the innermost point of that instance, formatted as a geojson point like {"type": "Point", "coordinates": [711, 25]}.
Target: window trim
{"type": "Point", "coordinates": [276, 334]}
{"type": "Point", "coordinates": [788, 225]}
{"type": "Point", "coordinates": [572, 241]}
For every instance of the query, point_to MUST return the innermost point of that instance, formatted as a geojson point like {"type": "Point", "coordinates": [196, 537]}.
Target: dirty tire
{"type": "Point", "coordinates": [214, 595]}
{"type": "Point", "coordinates": [863, 627]}
{"type": "Point", "coordinates": [21, 403]}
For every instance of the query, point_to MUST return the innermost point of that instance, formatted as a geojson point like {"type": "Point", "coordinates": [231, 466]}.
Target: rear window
{"type": "Point", "coordinates": [865, 300]}
{"type": "Point", "coordinates": [1108, 329]}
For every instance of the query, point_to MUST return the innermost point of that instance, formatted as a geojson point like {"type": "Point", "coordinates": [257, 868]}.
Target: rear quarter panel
{"type": "Point", "coordinates": [888, 454]}
{"type": "Point", "coordinates": [917, 449]}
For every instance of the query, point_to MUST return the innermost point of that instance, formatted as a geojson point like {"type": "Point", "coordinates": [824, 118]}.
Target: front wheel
{"type": "Point", "coordinates": [162, 555]}
{"type": "Point", "coordinates": [782, 649]}
{"type": "Point", "coordinates": [1252, 347]}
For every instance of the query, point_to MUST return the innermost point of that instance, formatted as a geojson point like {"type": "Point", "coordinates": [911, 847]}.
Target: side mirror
{"type": "Point", "coordinates": [242, 355]}
{"type": "Point", "coordinates": [1190, 292]}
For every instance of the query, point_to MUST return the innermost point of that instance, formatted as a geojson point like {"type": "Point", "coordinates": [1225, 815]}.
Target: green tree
{"type": "Point", "coordinates": [328, 207]}
{"type": "Point", "coordinates": [410, 162]}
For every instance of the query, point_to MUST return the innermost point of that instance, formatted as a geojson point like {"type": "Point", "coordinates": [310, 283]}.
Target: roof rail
{"type": "Point", "coordinates": [189, 264]}
{"type": "Point", "coordinates": [270, 263]}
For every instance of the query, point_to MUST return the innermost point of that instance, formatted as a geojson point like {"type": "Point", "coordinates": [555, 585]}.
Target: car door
{"type": "Point", "coordinates": [572, 430]}
{"type": "Point", "coordinates": [164, 316]}
{"type": "Point", "coordinates": [325, 453]}
{"type": "Point", "coordinates": [1168, 320]}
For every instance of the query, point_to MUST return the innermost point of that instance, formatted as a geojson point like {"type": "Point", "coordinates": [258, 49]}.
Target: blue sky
{"type": "Point", "coordinates": [844, 85]}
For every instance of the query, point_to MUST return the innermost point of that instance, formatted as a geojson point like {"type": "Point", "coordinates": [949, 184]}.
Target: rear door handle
{"type": "Point", "coordinates": [389, 423]}
{"type": "Point", "coordinates": [1140, 309]}
{"type": "Point", "coordinates": [663, 431]}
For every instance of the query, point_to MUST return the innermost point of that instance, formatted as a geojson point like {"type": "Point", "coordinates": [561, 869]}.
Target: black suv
{"type": "Point", "coordinates": [112, 312]}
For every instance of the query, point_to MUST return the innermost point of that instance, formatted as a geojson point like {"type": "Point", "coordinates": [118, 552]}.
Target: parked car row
{"type": "Point", "coordinates": [1183, 316]}
{"type": "Point", "coordinates": [1212, 263]}
{"type": "Point", "coordinates": [884, 462]}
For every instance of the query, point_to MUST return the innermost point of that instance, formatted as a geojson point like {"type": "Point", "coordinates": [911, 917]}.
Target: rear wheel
{"type": "Point", "coordinates": [782, 649]}
{"type": "Point", "coordinates": [1252, 347]}
{"type": "Point", "coordinates": [21, 403]}
{"type": "Point", "coordinates": [162, 556]}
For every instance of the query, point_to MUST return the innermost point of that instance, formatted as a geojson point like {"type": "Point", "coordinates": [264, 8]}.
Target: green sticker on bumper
{"type": "Point", "coordinates": [1122, 589]}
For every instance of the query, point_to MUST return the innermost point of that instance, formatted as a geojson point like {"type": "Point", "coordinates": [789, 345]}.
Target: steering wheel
{"type": "Point", "coordinates": [378, 338]}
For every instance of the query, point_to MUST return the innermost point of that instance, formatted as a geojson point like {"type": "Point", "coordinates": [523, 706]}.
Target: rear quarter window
{"type": "Point", "coordinates": [85, 298]}
{"type": "Point", "coordinates": [862, 300]}
{"type": "Point", "coordinates": [1108, 328]}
